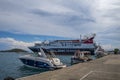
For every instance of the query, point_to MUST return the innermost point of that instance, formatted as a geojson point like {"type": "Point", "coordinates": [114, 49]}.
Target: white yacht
{"type": "Point", "coordinates": [42, 60]}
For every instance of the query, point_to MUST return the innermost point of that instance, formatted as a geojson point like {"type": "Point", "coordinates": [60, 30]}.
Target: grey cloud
{"type": "Point", "coordinates": [11, 6]}
{"type": "Point", "coordinates": [41, 13]}
{"type": "Point", "coordinates": [63, 19]}
{"type": "Point", "coordinates": [110, 34]}
{"type": "Point", "coordinates": [113, 14]}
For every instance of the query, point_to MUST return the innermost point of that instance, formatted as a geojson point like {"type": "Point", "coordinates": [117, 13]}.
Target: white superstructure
{"type": "Point", "coordinates": [68, 46]}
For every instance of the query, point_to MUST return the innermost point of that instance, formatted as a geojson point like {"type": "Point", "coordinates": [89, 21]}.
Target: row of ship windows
{"type": "Point", "coordinates": [63, 44]}
{"type": "Point", "coordinates": [69, 50]}
{"type": "Point", "coordinates": [64, 50]}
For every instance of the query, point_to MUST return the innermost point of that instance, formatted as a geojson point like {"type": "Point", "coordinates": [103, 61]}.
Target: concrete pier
{"type": "Point", "coordinates": [105, 68]}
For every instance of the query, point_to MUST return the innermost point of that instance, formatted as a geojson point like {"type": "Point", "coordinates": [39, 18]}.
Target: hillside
{"type": "Point", "coordinates": [14, 50]}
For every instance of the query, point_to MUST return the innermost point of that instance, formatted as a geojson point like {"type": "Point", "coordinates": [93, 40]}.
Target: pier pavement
{"type": "Point", "coordinates": [105, 68]}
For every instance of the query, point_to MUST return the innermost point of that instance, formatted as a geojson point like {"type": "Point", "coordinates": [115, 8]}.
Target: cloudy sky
{"type": "Point", "coordinates": [24, 22]}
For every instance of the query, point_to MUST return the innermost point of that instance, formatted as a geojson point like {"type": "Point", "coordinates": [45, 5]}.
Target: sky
{"type": "Point", "coordinates": [25, 22]}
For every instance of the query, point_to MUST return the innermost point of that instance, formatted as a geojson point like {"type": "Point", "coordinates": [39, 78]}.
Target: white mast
{"type": "Point", "coordinates": [80, 38]}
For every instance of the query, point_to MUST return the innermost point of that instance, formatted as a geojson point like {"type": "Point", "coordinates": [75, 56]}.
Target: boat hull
{"type": "Point", "coordinates": [78, 60]}
{"type": "Point", "coordinates": [38, 62]}
{"type": "Point", "coordinates": [33, 63]}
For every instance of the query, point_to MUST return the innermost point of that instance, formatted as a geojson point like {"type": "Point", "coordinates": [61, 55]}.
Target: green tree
{"type": "Point", "coordinates": [116, 50]}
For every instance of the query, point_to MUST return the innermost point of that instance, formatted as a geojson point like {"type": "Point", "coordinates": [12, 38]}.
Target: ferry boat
{"type": "Point", "coordinates": [68, 46]}
{"type": "Point", "coordinates": [42, 59]}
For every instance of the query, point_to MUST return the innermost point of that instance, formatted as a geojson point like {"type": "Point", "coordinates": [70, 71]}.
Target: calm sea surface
{"type": "Point", "coordinates": [10, 65]}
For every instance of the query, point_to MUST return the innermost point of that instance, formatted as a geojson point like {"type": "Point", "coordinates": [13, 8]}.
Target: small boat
{"type": "Point", "coordinates": [80, 56]}
{"type": "Point", "coordinates": [42, 60]}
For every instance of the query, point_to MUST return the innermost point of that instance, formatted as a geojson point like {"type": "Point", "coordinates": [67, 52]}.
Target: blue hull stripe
{"type": "Point", "coordinates": [37, 64]}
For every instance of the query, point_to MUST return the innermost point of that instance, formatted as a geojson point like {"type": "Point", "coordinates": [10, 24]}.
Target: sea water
{"type": "Point", "coordinates": [10, 65]}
